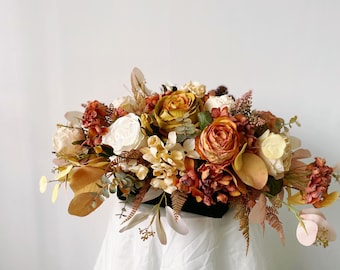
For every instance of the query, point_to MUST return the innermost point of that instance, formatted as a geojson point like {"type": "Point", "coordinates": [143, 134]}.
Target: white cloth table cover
{"type": "Point", "coordinates": [211, 244]}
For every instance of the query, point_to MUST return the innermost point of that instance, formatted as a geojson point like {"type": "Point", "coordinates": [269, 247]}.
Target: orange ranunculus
{"type": "Point", "coordinates": [219, 142]}
{"type": "Point", "coordinates": [171, 110]}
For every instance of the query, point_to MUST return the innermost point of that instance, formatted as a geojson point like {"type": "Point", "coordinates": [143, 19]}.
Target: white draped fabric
{"type": "Point", "coordinates": [212, 243]}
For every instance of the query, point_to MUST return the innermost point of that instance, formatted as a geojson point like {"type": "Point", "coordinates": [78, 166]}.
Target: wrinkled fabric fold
{"type": "Point", "coordinates": [212, 243]}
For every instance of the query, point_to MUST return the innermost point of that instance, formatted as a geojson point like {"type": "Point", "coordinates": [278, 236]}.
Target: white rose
{"type": "Point", "coordinates": [218, 102]}
{"type": "Point", "coordinates": [275, 150]}
{"type": "Point", "coordinates": [195, 88]}
{"type": "Point", "coordinates": [63, 139]}
{"type": "Point", "coordinates": [125, 134]}
{"type": "Point", "coordinates": [128, 103]}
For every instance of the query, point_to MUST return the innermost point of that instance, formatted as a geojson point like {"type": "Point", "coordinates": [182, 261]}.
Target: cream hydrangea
{"type": "Point", "coordinates": [167, 161]}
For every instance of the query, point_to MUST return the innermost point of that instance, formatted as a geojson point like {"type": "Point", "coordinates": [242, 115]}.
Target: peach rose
{"type": "Point", "coordinates": [219, 142]}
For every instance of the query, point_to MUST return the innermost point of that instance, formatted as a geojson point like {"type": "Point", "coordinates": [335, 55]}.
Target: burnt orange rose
{"type": "Point", "coordinates": [219, 142]}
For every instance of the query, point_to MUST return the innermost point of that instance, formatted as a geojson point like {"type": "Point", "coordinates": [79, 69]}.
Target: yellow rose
{"type": "Point", "coordinates": [173, 109]}
{"type": "Point", "coordinates": [219, 142]}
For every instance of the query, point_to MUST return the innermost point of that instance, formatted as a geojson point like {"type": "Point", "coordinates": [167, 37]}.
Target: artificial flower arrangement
{"type": "Point", "coordinates": [186, 149]}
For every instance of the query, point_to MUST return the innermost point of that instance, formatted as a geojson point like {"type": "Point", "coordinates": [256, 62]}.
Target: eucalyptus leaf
{"type": "Point", "coordinates": [105, 179]}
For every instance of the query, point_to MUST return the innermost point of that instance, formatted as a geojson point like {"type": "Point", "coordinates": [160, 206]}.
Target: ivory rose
{"type": "Point", "coordinates": [219, 142]}
{"type": "Point", "coordinates": [218, 102]}
{"type": "Point", "coordinates": [171, 110]}
{"type": "Point", "coordinates": [125, 134]}
{"type": "Point", "coordinates": [63, 140]}
{"type": "Point", "coordinates": [275, 150]}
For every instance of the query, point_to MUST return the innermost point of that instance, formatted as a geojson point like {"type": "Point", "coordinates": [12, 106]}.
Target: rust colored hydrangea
{"type": "Point", "coordinates": [320, 178]}
{"type": "Point", "coordinates": [96, 120]}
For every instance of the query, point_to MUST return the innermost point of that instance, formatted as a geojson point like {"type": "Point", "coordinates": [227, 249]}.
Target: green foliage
{"type": "Point", "coordinates": [274, 185]}
{"type": "Point", "coordinates": [204, 119]}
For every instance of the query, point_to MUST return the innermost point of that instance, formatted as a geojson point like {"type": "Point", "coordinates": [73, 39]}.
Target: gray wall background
{"type": "Point", "coordinates": [57, 54]}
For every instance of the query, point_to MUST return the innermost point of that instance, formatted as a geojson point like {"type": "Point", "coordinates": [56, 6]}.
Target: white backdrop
{"type": "Point", "coordinates": [57, 54]}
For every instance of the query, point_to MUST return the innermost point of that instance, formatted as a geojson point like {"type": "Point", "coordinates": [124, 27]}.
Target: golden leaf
{"type": "Point", "coordinates": [55, 193]}
{"type": "Point", "coordinates": [43, 184]}
{"type": "Point", "coordinates": [83, 179]}
{"type": "Point", "coordinates": [63, 172]}
{"type": "Point", "coordinates": [329, 199]}
{"type": "Point", "coordinates": [296, 199]}
{"type": "Point", "coordinates": [84, 204]}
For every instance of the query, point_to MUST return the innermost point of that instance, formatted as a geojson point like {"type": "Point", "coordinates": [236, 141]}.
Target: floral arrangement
{"type": "Point", "coordinates": [188, 148]}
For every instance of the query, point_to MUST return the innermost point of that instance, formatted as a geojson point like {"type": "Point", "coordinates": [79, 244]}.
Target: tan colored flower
{"type": "Point", "coordinates": [167, 161]}
{"type": "Point", "coordinates": [196, 88]}
{"type": "Point", "coordinates": [219, 142]}
{"type": "Point", "coordinates": [173, 109]}
{"type": "Point", "coordinates": [64, 138]}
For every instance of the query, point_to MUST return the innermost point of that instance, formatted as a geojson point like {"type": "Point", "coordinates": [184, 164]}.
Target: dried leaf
{"type": "Point", "coordinates": [178, 199]}
{"type": "Point", "coordinates": [257, 214]}
{"type": "Point", "coordinates": [274, 221]}
{"type": "Point", "coordinates": [85, 203]}
{"type": "Point", "coordinates": [138, 83]}
{"type": "Point", "coordinates": [43, 184]}
{"type": "Point", "coordinates": [138, 200]}
{"type": "Point", "coordinates": [152, 193]}
{"type": "Point", "coordinates": [74, 117]}
{"type": "Point", "coordinates": [329, 199]}
{"type": "Point", "coordinates": [241, 213]}
{"type": "Point", "coordinates": [160, 230]}
{"type": "Point", "coordinates": [55, 192]}
{"type": "Point", "coordinates": [175, 221]}
{"type": "Point", "coordinates": [136, 219]}
{"type": "Point", "coordinates": [81, 179]}
{"type": "Point", "coordinates": [62, 173]}
{"type": "Point", "coordinates": [99, 164]}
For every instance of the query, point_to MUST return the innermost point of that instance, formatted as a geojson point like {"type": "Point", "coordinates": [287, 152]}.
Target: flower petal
{"type": "Point", "coordinates": [329, 199]}
{"type": "Point", "coordinates": [160, 230]}
{"type": "Point", "coordinates": [152, 193]}
{"type": "Point", "coordinates": [43, 184]}
{"type": "Point", "coordinates": [251, 169]}
{"type": "Point", "coordinates": [136, 219]}
{"type": "Point", "coordinates": [175, 221]}
{"type": "Point", "coordinates": [306, 233]}
{"type": "Point", "coordinates": [257, 214]}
